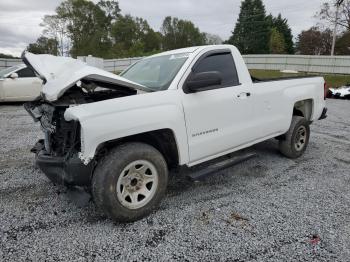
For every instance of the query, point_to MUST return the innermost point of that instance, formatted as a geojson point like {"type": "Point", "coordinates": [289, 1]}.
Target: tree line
{"type": "Point", "coordinates": [258, 33]}
{"type": "Point", "coordinates": [318, 39]}
{"type": "Point", "coordinates": [81, 27]}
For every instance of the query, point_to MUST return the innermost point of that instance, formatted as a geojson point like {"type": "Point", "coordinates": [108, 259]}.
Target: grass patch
{"type": "Point", "coordinates": [332, 80]}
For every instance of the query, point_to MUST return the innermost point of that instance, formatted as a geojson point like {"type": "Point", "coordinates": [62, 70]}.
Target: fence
{"type": "Point", "coordinates": [5, 62]}
{"type": "Point", "coordinates": [315, 64]}
{"type": "Point", "coordinates": [303, 63]}
{"type": "Point", "coordinates": [117, 65]}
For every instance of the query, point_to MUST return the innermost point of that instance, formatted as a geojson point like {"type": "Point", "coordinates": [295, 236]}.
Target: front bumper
{"type": "Point", "coordinates": [63, 170]}
{"type": "Point", "coordinates": [324, 114]}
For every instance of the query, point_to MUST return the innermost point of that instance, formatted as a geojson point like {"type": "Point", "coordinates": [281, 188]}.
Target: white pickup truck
{"type": "Point", "coordinates": [120, 135]}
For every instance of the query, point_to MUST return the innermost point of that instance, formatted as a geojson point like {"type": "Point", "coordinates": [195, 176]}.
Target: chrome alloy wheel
{"type": "Point", "coordinates": [300, 138]}
{"type": "Point", "coordinates": [137, 184]}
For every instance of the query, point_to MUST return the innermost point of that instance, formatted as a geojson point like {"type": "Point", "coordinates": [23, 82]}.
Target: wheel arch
{"type": "Point", "coordinates": [304, 108]}
{"type": "Point", "coordinates": [164, 140]}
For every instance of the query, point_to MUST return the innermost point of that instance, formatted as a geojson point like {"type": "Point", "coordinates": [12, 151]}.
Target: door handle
{"type": "Point", "coordinates": [244, 95]}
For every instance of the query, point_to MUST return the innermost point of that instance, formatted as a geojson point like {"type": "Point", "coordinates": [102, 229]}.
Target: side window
{"type": "Point", "coordinates": [223, 63]}
{"type": "Point", "coordinates": [25, 72]}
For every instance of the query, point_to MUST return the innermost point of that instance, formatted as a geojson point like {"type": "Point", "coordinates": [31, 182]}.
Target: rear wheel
{"type": "Point", "coordinates": [296, 139]}
{"type": "Point", "coordinates": [130, 182]}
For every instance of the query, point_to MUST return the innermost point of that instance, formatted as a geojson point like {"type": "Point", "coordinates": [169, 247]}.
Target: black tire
{"type": "Point", "coordinates": [109, 170]}
{"type": "Point", "coordinates": [291, 146]}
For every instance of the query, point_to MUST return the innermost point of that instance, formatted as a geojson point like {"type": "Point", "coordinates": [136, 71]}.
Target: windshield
{"type": "Point", "coordinates": [6, 71]}
{"type": "Point", "coordinates": [156, 73]}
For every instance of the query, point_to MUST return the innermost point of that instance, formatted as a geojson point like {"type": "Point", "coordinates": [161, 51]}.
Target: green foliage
{"type": "Point", "coordinates": [133, 37]}
{"type": "Point", "coordinates": [44, 45]}
{"type": "Point", "coordinates": [342, 46]}
{"type": "Point", "coordinates": [84, 27]}
{"type": "Point", "coordinates": [7, 56]}
{"type": "Point", "coordinates": [179, 33]}
{"type": "Point", "coordinates": [281, 25]}
{"type": "Point", "coordinates": [110, 8]}
{"type": "Point", "coordinates": [251, 33]}
{"type": "Point", "coordinates": [56, 28]}
{"type": "Point", "coordinates": [87, 27]}
{"type": "Point", "coordinates": [277, 44]}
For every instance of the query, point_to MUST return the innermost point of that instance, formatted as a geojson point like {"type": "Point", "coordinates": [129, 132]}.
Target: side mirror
{"type": "Point", "coordinates": [203, 81]}
{"type": "Point", "coordinates": [14, 76]}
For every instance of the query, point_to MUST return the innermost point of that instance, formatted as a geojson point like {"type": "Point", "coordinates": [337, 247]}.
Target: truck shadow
{"type": "Point", "coordinates": [11, 103]}
{"type": "Point", "coordinates": [241, 173]}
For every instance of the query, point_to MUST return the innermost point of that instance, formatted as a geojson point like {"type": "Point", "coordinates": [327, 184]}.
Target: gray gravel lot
{"type": "Point", "coordinates": [269, 208]}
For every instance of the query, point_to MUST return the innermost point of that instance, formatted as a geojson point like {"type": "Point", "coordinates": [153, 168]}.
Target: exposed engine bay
{"type": "Point", "coordinates": [62, 138]}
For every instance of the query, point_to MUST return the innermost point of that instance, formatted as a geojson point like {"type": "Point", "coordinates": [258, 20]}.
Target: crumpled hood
{"type": "Point", "coordinates": [61, 73]}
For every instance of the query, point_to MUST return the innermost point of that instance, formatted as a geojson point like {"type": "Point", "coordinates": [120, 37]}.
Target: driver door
{"type": "Point", "coordinates": [218, 119]}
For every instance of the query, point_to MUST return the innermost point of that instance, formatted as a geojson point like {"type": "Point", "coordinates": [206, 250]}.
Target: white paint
{"type": "Point", "coordinates": [341, 91]}
{"type": "Point", "coordinates": [238, 121]}
{"type": "Point", "coordinates": [61, 73]}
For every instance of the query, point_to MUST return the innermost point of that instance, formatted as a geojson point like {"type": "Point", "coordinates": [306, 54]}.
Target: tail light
{"type": "Point", "coordinates": [325, 90]}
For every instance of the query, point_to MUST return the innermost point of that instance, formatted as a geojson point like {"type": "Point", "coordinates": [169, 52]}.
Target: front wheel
{"type": "Point", "coordinates": [296, 139]}
{"type": "Point", "coordinates": [130, 182]}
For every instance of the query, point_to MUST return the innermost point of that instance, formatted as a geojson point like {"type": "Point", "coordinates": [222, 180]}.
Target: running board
{"type": "Point", "coordinates": [218, 166]}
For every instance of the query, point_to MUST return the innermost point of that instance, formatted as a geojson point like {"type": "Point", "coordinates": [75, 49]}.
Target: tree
{"type": "Point", "coordinates": [314, 42]}
{"type": "Point", "coordinates": [110, 8]}
{"type": "Point", "coordinates": [150, 39]}
{"type": "Point", "coordinates": [179, 33]}
{"type": "Point", "coordinates": [7, 56]}
{"type": "Point", "coordinates": [281, 25]}
{"type": "Point", "coordinates": [67, 26]}
{"type": "Point", "coordinates": [84, 27]}
{"type": "Point", "coordinates": [342, 46]}
{"type": "Point", "coordinates": [277, 43]}
{"type": "Point", "coordinates": [87, 27]}
{"type": "Point", "coordinates": [44, 45]}
{"type": "Point", "coordinates": [328, 14]}
{"type": "Point", "coordinates": [251, 32]}
{"type": "Point", "coordinates": [134, 37]}
{"type": "Point", "coordinates": [55, 27]}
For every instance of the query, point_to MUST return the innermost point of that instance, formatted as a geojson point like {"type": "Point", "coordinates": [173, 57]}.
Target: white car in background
{"type": "Point", "coordinates": [341, 92]}
{"type": "Point", "coordinates": [19, 83]}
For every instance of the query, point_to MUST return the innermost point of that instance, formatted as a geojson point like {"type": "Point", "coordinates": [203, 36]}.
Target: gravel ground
{"type": "Point", "coordinates": [269, 208]}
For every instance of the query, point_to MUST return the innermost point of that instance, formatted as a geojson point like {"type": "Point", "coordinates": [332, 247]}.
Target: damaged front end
{"type": "Point", "coordinates": [69, 83]}
{"type": "Point", "coordinates": [57, 155]}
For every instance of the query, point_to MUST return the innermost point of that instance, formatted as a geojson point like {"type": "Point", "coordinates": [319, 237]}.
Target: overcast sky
{"type": "Point", "coordinates": [19, 20]}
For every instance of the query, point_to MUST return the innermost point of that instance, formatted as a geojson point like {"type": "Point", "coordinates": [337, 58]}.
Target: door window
{"type": "Point", "coordinates": [25, 72]}
{"type": "Point", "coordinates": [224, 64]}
